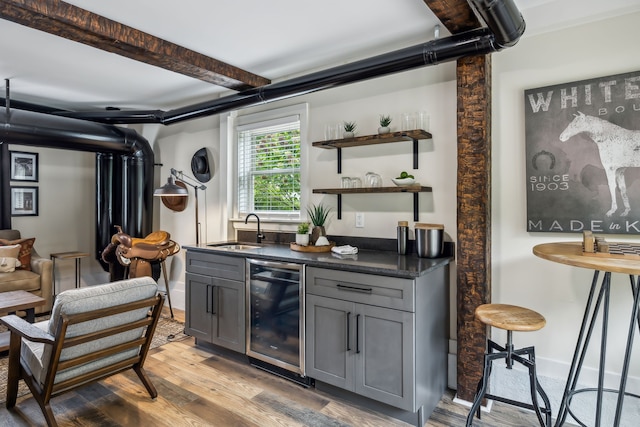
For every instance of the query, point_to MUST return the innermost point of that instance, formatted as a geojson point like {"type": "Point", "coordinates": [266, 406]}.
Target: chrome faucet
{"type": "Point", "coordinates": [259, 235]}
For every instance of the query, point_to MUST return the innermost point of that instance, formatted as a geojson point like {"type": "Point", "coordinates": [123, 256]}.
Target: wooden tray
{"type": "Point", "coordinates": [299, 248]}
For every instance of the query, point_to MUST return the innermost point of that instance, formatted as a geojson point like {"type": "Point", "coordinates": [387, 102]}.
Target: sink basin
{"type": "Point", "coordinates": [234, 246]}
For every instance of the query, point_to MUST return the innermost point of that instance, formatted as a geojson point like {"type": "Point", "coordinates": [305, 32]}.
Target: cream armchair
{"type": "Point", "coordinates": [93, 333]}
{"type": "Point", "coordinates": [38, 281]}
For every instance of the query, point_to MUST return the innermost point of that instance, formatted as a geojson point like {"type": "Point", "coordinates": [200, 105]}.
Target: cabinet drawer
{"type": "Point", "coordinates": [381, 291]}
{"type": "Point", "coordinates": [209, 264]}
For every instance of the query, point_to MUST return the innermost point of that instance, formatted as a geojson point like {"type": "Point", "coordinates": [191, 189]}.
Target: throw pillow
{"type": "Point", "coordinates": [26, 246]}
{"type": "Point", "coordinates": [8, 265]}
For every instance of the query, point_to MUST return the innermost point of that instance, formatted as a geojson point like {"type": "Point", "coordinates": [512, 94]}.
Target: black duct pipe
{"type": "Point", "coordinates": [124, 166]}
{"type": "Point", "coordinates": [505, 26]}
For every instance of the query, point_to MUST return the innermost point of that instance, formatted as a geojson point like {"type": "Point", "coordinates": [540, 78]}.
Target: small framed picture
{"type": "Point", "coordinates": [24, 201]}
{"type": "Point", "coordinates": [24, 166]}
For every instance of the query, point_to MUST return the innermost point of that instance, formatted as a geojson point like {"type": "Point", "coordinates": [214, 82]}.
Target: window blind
{"type": "Point", "coordinates": [269, 167]}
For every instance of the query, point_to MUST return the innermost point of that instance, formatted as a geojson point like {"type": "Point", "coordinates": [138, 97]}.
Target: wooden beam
{"type": "Point", "coordinates": [456, 15]}
{"type": "Point", "coordinates": [473, 216]}
{"type": "Point", "coordinates": [473, 195]}
{"type": "Point", "coordinates": [77, 24]}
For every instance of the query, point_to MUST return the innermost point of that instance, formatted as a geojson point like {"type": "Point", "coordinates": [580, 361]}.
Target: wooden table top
{"type": "Point", "coordinates": [72, 254]}
{"type": "Point", "coordinates": [570, 253]}
{"type": "Point", "coordinates": [19, 300]}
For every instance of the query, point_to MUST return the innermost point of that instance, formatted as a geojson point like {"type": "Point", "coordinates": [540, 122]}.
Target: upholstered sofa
{"type": "Point", "coordinates": [37, 278]}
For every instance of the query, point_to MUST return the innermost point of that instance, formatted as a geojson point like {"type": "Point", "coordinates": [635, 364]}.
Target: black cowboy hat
{"type": "Point", "coordinates": [200, 165]}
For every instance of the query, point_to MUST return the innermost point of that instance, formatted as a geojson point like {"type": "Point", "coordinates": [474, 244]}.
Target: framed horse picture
{"type": "Point", "coordinates": [583, 156]}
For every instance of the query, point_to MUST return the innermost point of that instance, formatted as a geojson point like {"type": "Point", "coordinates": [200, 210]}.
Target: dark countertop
{"type": "Point", "coordinates": [385, 263]}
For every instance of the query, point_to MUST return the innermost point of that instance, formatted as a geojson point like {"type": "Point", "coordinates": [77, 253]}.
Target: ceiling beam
{"type": "Point", "coordinates": [80, 25]}
{"type": "Point", "coordinates": [456, 15]}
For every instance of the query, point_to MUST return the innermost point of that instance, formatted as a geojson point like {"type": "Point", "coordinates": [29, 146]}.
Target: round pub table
{"type": "Point", "coordinates": [571, 253]}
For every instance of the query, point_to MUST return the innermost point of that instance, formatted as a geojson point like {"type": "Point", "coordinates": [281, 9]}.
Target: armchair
{"type": "Point", "coordinates": [93, 333]}
{"type": "Point", "coordinates": [38, 280]}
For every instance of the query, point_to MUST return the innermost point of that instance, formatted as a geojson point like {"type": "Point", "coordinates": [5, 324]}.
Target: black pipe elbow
{"type": "Point", "coordinates": [503, 19]}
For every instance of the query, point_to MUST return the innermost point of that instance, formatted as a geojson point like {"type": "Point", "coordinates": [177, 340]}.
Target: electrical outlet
{"type": "Point", "coordinates": [359, 219]}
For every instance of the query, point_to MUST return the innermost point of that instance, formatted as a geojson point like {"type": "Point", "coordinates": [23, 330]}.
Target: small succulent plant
{"type": "Point", "coordinates": [350, 126]}
{"type": "Point", "coordinates": [385, 121]}
{"type": "Point", "coordinates": [318, 214]}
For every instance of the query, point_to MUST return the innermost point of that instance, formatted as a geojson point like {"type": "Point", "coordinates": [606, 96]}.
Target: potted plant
{"type": "Point", "coordinates": [302, 235]}
{"type": "Point", "coordinates": [318, 215]}
{"type": "Point", "coordinates": [385, 121]}
{"type": "Point", "coordinates": [349, 129]}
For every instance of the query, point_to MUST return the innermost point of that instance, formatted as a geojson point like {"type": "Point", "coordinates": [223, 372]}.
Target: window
{"type": "Point", "coordinates": [269, 159]}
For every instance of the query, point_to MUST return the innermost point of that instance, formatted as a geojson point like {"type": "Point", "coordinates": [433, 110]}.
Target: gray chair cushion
{"type": "Point", "coordinates": [81, 300]}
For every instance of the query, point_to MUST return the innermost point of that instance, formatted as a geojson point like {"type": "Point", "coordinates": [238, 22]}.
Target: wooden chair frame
{"type": "Point", "coordinates": [43, 393]}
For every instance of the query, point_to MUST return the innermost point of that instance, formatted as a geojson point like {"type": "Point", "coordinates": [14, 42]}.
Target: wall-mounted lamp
{"type": "Point", "coordinates": [172, 189]}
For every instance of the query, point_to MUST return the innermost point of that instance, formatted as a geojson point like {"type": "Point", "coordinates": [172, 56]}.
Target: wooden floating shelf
{"type": "Point", "coordinates": [415, 189]}
{"type": "Point", "coordinates": [407, 189]}
{"type": "Point", "coordinates": [357, 141]}
{"type": "Point", "coordinates": [385, 138]}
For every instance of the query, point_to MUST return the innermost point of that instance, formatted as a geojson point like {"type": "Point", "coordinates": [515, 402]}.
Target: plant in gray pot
{"type": "Point", "coordinates": [318, 215]}
{"type": "Point", "coordinates": [349, 129]}
{"type": "Point", "coordinates": [385, 121]}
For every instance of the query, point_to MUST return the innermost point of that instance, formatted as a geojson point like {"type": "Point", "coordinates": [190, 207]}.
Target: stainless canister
{"type": "Point", "coordinates": [403, 236]}
{"type": "Point", "coordinates": [429, 240]}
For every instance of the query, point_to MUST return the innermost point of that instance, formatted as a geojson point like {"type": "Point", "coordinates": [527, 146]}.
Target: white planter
{"type": "Point", "coordinates": [384, 129]}
{"type": "Point", "coordinates": [348, 134]}
{"type": "Point", "coordinates": [302, 239]}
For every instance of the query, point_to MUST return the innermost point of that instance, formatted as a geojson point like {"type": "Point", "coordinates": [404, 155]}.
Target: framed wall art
{"type": "Point", "coordinates": [24, 201]}
{"type": "Point", "coordinates": [24, 166]}
{"type": "Point", "coordinates": [583, 156]}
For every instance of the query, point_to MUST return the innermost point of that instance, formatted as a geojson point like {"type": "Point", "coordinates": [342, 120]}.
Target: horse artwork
{"type": "Point", "coordinates": [582, 148]}
{"type": "Point", "coordinates": [619, 149]}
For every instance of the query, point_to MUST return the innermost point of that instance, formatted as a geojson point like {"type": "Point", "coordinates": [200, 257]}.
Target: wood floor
{"type": "Point", "coordinates": [198, 387]}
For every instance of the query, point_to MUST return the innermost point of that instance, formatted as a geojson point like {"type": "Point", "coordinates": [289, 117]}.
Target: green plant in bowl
{"type": "Point", "coordinates": [303, 228]}
{"type": "Point", "coordinates": [350, 126]}
{"type": "Point", "coordinates": [385, 121]}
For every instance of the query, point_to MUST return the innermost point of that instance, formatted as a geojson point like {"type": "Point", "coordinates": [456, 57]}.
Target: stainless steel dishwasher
{"type": "Point", "coordinates": [275, 318]}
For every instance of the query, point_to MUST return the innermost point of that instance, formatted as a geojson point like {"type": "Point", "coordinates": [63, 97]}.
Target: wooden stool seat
{"type": "Point", "coordinates": [510, 317]}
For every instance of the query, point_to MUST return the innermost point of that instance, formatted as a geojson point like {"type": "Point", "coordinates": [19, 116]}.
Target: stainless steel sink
{"type": "Point", "coordinates": [234, 246]}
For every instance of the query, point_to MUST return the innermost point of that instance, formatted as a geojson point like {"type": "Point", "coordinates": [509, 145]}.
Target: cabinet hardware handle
{"type": "Point", "coordinates": [208, 299]}
{"type": "Point", "coordinates": [348, 329]}
{"type": "Point", "coordinates": [357, 334]}
{"type": "Point", "coordinates": [354, 288]}
{"type": "Point", "coordinates": [214, 299]}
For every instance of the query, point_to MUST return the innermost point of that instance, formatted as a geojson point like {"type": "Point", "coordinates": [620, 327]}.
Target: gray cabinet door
{"type": "Point", "coordinates": [330, 342]}
{"type": "Point", "coordinates": [197, 311]}
{"type": "Point", "coordinates": [215, 311]}
{"type": "Point", "coordinates": [385, 361]}
{"type": "Point", "coordinates": [228, 309]}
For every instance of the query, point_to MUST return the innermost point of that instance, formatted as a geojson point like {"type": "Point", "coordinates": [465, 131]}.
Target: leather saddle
{"type": "Point", "coordinates": [140, 253]}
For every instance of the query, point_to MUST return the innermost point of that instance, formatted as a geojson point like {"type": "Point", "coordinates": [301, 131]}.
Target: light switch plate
{"type": "Point", "coordinates": [359, 219]}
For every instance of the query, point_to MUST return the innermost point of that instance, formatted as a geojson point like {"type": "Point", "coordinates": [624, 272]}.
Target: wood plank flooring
{"type": "Point", "coordinates": [198, 387]}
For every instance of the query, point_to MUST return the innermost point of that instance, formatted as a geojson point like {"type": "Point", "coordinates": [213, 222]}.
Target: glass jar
{"type": "Point", "coordinates": [372, 180]}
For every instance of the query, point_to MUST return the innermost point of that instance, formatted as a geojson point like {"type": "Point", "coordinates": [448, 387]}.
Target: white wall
{"type": "Point", "coordinates": [557, 291]}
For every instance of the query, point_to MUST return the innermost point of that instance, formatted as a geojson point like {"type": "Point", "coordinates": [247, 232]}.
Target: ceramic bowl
{"type": "Point", "coordinates": [403, 181]}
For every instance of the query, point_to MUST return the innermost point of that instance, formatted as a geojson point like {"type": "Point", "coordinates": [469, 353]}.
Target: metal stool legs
{"type": "Point", "coordinates": [510, 355]}
{"type": "Point", "coordinates": [166, 283]}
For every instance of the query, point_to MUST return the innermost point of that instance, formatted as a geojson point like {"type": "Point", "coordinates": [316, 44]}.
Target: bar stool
{"type": "Point", "coordinates": [511, 318]}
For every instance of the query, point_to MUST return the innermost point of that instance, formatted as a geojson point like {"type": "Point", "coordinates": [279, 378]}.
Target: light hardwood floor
{"type": "Point", "coordinates": [198, 387]}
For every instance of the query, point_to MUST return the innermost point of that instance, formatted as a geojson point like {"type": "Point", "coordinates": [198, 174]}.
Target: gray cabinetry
{"type": "Point", "coordinates": [384, 338]}
{"type": "Point", "coordinates": [215, 304]}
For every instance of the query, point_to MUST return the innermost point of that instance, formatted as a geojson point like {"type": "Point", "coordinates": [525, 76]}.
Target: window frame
{"type": "Point", "coordinates": [248, 120]}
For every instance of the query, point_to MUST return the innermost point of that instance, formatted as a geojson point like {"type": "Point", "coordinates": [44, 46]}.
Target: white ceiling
{"type": "Point", "coordinates": [275, 39]}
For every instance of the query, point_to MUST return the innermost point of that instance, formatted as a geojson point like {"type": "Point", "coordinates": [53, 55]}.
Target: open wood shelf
{"type": "Point", "coordinates": [357, 141]}
{"type": "Point", "coordinates": [405, 189]}
{"type": "Point", "coordinates": [386, 138]}
{"type": "Point", "coordinates": [415, 189]}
